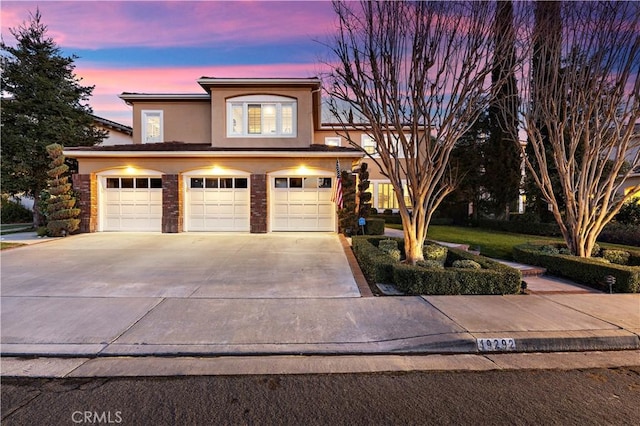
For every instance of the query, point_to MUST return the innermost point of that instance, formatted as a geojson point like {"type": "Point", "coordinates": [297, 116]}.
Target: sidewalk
{"type": "Point", "coordinates": [90, 333]}
{"type": "Point", "coordinates": [29, 237]}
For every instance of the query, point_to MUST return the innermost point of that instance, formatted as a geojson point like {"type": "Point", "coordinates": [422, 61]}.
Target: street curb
{"type": "Point", "coordinates": [17, 369]}
{"type": "Point", "coordinates": [451, 343]}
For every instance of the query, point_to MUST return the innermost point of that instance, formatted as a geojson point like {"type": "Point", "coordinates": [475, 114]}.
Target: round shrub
{"type": "Point", "coordinates": [466, 264]}
{"type": "Point", "coordinates": [387, 245]}
{"type": "Point", "coordinates": [429, 263]}
{"type": "Point", "coordinates": [394, 254]}
{"type": "Point", "coordinates": [619, 257]}
{"type": "Point", "coordinates": [435, 252]}
{"type": "Point", "coordinates": [565, 251]}
{"type": "Point", "coordinates": [550, 249]}
{"type": "Point", "coordinates": [595, 251]}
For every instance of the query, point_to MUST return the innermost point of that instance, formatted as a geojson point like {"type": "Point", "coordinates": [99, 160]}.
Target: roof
{"type": "Point", "coordinates": [181, 149]}
{"type": "Point", "coordinates": [252, 82]}
{"type": "Point", "coordinates": [133, 96]}
{"type": "Point", "coordinates": [113, 125]}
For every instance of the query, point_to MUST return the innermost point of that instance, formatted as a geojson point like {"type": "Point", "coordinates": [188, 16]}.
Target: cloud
{"type": "Point", "coordinates": [110, 82]}
{"type": "Point", "coordinates": [106, 24]}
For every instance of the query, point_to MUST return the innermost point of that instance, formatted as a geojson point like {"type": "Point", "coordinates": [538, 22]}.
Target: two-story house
{"type": "Point", "coordinates": [247, 155]}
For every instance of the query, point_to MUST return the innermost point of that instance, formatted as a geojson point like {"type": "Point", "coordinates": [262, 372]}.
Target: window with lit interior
{"type": "Point", "coordinates": [261, 116]}
{"type": "Point", "coordinates": [152, 131]}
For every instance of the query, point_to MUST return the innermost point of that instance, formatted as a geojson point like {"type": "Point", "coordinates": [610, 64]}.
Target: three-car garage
{"type": "Point", "coordinates": [216, 202]}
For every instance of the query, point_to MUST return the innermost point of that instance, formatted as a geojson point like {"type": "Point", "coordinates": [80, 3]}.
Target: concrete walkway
{"type": "Point", "coordinates": [97, 300]}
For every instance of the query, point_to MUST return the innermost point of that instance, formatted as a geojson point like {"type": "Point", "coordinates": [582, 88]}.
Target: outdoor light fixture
{"type": "Point", "coordinates": [130, 170]}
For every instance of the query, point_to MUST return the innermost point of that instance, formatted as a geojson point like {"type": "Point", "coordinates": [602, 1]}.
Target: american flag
{"type": "Point", "coordinates": [337, 193]}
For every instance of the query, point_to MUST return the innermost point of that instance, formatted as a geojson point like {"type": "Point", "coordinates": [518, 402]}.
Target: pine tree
{"type": "Point", "coordinates": [347, 215]}
{"type": "Point", "coordinates": [364, 197]}
{"type": "Point", "coordinates": [63, 217]}
{"type": "Point", "coordinates": [546, 46]}
{"type": "Point", "coordinates": [503, 161]}
{"type": "Point", "coordinates": [46, 104]}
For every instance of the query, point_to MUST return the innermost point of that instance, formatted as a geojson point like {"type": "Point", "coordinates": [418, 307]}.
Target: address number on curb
{"type": "Point", "coordinates": [501, 344]}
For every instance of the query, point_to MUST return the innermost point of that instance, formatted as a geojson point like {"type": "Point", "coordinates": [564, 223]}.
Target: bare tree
{"type": "Point", "coordinates": [415, 75]}
{"type": "Point", "coordinates": [580, 108]}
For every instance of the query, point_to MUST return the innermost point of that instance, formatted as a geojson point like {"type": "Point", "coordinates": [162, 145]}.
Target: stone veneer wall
{"type": "Point", "coordinates": [172, 219]}
{"type": "Point", "coordinates": [258, 219]}
{"type": "Point", "coordinates": [86, 185]}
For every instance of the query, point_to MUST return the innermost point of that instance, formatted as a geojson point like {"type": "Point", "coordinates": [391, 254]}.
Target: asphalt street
{"type": "Point", "coordinates": [520, 397]}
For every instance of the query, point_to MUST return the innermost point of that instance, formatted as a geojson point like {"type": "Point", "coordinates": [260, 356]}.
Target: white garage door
{"type": "Point", "coordinates": [132, 204]}
{"type": "Point", "coordinates": [302, 204]}
{"type": "Point", "coordinates": [217, 204]}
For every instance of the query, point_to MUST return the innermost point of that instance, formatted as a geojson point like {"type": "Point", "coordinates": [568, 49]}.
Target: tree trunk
{"type": "Point", "coordinates": [414, 235]}
{"type": "Point", "coordinates": [37, 214]}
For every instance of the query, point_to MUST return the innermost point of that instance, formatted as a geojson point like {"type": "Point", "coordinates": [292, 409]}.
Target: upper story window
{"type": "Point", "coordinates": [152, 126]}
{"type": "Point", "coordinates": [332, 140]}
{"type": "Point", "coordinates": [369, 145]}
{"type": "Point", "coordinates": [261, 116]}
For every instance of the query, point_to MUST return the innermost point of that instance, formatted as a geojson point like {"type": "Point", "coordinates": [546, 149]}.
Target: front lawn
{"type": "Point", "coordinates": [494, 244]}
{"type": "Point", "coordinates": [4, 245]}
{"type": "Point", "coordinates": [11, 228]}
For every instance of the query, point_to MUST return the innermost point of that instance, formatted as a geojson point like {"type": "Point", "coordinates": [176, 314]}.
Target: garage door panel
{"type": "Point", "coordinates": [301, 209]}
{"type": "Point", "coordinates": [217, 209]}
{"type": "Point", "coordinates": [132, 209]}
{"type": "Point", "coordinates": [196, 196]}
{"type": "Point", "coordinates": [325, 209]}
{"type": "Point", "coordinates": [324, 197]}
{"type": "Point", "coordinates": [240, 210]}
{"type": "Point", "coordinates": [281, 196]}
{"type": "Point", "coordinates": [112, 196]}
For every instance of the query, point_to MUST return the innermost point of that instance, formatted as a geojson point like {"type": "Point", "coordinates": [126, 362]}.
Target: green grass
{"type": "Point", "coordinates": [10, 228]}
{"type": "Point", "coordinates": [491, 243]}
{"type": "Point", "coordinates": [9, 245]}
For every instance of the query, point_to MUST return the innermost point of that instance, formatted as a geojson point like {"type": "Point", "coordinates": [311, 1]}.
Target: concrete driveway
{"type": "Point", "coordinates": [187, 265]}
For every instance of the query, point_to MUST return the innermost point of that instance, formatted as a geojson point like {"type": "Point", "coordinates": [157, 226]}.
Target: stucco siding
{"type": "Point", "coordinates": [183, 121]}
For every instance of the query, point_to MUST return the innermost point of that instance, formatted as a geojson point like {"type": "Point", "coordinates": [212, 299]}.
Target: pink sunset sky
{"type": "Point", "coordinates": [165, 46]}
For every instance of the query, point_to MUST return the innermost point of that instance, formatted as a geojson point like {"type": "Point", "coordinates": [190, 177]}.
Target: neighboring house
{"type": "Point", "coordinates": [117, 134]}
{"type": "Point", "coordinates": [247, 155]}
{"type": "Point", "coordinates": [634, 178]}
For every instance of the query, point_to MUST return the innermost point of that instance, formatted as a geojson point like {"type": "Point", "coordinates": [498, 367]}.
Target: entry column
{"type": "Point", "coordinates": [172, 219]}
{"type": "Point", "coordinates": [86, 186]}
{"type": "Point", "coordinates": [258, 217]}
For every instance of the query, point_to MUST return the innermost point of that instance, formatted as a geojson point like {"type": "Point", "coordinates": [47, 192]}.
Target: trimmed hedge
{"type": "Point", "coordinates": [614, 233]}
{"type": "Point", "coordinates": [397, 220]}
{"type": "Point", "coordinates": [494, 278]}
{"type": "Point", "coordinates": [521, 227]}
{"type": "Point", "coordinates": [376, 265]}
{"type": "Point", "coordinates": [618, 233]}
{"type": "Point", "coordinates": [375, 226]}
{"type": "Point", "coordinates": [587, 271]}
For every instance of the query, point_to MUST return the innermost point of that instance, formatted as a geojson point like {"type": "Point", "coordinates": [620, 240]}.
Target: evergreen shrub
{"type": "Point", "coordinates": [619, 257]}
{"type": "Point", "coordinates": [375, 226]}
{"type": "Point", "coordinates": [587, 271]}
{"type": "Point", "coordinates": [427, 278]}
{"type": "Point", "coordinates": [13, 212]}
{"type": "Point", "coordinates": [466, 264]}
